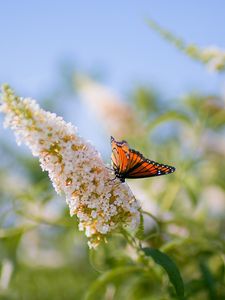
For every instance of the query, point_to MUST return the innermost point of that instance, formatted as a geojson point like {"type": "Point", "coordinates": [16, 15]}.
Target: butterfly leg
{"type": "Point", "coordinates": [113, 179]}
{"type": "Point", "coordinates": [113, 182]}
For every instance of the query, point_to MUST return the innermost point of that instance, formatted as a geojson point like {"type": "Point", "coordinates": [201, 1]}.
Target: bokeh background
{"type": "Point", "coordinates": [150, 72]}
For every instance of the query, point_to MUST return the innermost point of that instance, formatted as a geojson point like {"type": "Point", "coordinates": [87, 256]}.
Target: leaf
{"type": "Point", "coordinates": [16, 231]}
{"type": "Point", "coordinates": [107, 277]}
{"type": "Point", "coordinates": [169, 116]}
{"type": "Point", "coordinates": [170, 267]}
{"type": "Point", "coordinates": [209, 280]}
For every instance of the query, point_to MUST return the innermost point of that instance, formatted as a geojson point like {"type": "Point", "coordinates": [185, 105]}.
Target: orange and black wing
{"type": "Point", "coordinates": [120, 155]}
{"type": "Point", "coordinates": [129, 163]}
{"type": "Point", "coordinates": [140, 167]}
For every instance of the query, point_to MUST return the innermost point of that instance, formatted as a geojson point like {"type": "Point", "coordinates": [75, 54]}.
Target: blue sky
{"type": "Point", "coordinates": [112, 36]}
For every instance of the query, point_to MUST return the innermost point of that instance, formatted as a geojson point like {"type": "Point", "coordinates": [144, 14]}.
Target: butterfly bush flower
{"type": "Point", "coordinates": [117, 117]}
{"type": "Point", "coordinates": [211, 56]}
{"type": "Point", "coordinates": [214, 58]}
{"type": "Point", "coordinates": [74, 166]}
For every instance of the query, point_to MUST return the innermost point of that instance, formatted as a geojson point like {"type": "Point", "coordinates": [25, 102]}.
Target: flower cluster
{"type": "Point", "coordinates": [74, 167]}
{"type": "Point", "coordinates": [117, 117]}
{"type": "Point", "coordinates": [212, 57]}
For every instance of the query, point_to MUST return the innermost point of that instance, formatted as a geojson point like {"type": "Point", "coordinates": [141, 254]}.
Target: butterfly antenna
{"type": "Point", "coordinates": [109, 168]}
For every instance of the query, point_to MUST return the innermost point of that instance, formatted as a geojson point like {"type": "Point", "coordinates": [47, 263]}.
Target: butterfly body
{"type": "Point", "coordinates": [129, 163]}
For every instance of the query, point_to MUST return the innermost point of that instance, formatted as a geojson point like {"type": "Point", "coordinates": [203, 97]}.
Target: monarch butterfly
{"type": "Point", "coordinates": [129, 163]}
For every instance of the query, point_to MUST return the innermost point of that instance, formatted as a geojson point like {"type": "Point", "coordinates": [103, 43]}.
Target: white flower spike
{"type": "Point", "coordinates": [74, 166]}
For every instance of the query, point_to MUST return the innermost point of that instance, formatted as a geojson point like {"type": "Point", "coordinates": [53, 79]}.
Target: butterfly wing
{"type": "Point", "coordinates": [129, 163]}
{"type": "Point", "coordinates": [140, 167]}
{"type": "Point", "coordinates": [120, 155]}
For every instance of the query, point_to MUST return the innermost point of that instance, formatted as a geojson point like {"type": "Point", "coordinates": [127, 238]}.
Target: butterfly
{"type": "Point", "coordinates": [129, 163]}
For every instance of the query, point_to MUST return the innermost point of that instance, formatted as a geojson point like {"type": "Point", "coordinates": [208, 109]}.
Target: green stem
{"type": "Point", "coordinates": [151, 216]}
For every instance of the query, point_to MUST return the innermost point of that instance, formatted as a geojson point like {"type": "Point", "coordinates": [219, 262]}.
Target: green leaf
{"type": "Point", "coordinates": [107, 277]}
{"type": "Point", "coordinates": [209, 280]}
{"type": "Point", "coordinates": [169, 116]}
{"type": "Point", "coordinates": [170, 267]}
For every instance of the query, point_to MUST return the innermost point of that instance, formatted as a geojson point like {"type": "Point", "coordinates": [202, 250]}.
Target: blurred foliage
{"type": "Point", "coordinates": [211, 56]}
{"type": "Point", "coordinates": [44, 256]}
